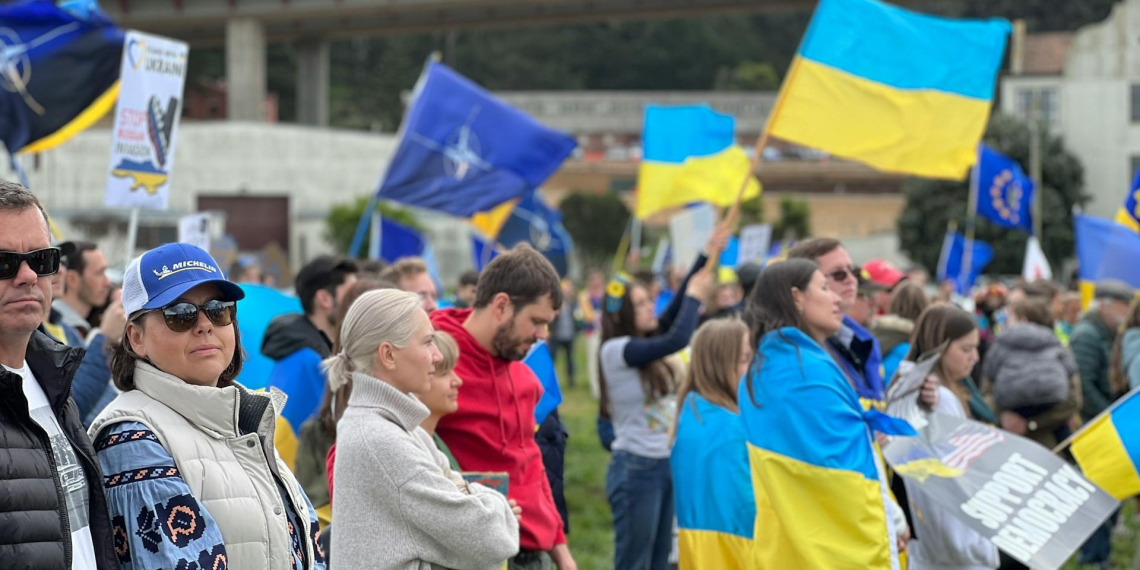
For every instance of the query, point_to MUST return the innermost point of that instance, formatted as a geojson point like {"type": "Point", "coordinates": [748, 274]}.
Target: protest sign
{"type": "Point", "coordinates": [152, 76]}
{"type": "Point", "coordinates": [754, 241]}
{"type": "Point", "coordinates": [195, 230]}
{"type": "Point", "coordinates": [689, 229]}
{"type": "Point", "coordinates": [1027, 501]}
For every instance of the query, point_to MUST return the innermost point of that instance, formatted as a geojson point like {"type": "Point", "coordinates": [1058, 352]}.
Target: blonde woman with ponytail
{"type": "Point", "coordinates": [408, 509]}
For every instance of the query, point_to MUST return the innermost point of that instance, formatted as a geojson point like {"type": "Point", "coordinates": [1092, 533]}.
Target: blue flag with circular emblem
{"type": "Point", "coordinates": [1005, 193]}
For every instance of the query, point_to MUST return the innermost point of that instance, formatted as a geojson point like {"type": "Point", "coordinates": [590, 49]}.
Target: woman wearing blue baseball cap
{"type": "Point", "coordinates": [187, 453]}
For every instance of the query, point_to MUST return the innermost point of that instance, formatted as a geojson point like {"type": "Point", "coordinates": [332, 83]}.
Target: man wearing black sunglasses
{"type": "Point", "coordinates": [854, 348]}
{"type": "Point", "coordinates": [53, 513]}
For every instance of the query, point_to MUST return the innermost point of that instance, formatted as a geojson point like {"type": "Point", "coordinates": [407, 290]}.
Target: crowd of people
{"type": "Point", "coordinates": [396, 432]}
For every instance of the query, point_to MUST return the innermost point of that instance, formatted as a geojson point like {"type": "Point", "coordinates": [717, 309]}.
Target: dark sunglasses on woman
{"type": "Point", "coordinates": [43, 261]}
{"type": "Point", "coordinates": [182, 316]}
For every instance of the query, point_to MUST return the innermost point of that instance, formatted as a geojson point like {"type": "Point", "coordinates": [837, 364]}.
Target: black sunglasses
{"type": "Point", "coordinates": [181, 317]}
{"type": "Point", "coordinates": [43, 261]}
{"type": "Point", "coordinates": [842, 273]}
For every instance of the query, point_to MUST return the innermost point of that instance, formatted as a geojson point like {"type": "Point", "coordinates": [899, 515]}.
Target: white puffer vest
{"type": "Point", "coordinates": [230, 472]}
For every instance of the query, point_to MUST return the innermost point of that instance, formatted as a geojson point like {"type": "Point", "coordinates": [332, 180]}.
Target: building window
{"type": "Point", "coordinates": [1135, 103]}
{"type": "Point", "coordinates": [1048, 108]}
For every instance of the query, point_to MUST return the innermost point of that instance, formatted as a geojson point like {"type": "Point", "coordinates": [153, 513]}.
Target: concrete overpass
{"type": "Point", "coordinates": [245, 27]}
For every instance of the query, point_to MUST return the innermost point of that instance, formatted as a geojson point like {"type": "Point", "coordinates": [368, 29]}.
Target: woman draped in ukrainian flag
{"type": "Point", "coordinates": [821, 501]}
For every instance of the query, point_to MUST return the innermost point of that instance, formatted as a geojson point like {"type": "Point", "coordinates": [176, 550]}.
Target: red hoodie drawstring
{"type": "Point", "coordinates": [499, 402]}
{"type": "Point", "coordinates": [518, 412]}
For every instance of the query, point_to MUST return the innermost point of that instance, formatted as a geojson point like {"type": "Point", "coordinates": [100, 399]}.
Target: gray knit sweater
{"type": "Point", "coordinates": [397, 505]}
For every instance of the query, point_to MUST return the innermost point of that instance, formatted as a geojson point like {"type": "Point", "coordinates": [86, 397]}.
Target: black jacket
{"type": "Point", "coordinates": [287, 334]}
{"type": "Point", "coordinates": [34, 529]}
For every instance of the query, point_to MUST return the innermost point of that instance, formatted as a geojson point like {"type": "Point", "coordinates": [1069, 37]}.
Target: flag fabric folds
{"type": "Point", "coordinates": [463, 151]}
{"type": "Point", "coordinates": [1129, 212]}
{"type": "Point", "coordinates": [1036, 265]}
{"type": "Point", "coordinates": [1108, 448]}
{"type": "Point", "coordinates": [398, 240]}
{"type": "Point", "coordinates": [689, 154]}
{"type": "Point", "coordinates": [541, 362]}
{"type": "Point", "coordinates": [1005, 193]}
{"type": "Point", "coordinates": [950, 266]}
{"type": "Point", "coordinates": [533, 221]}
{"type": "Point", "coordinates": [898, 90]}
{"type": "Point", "coordinates": [821, 495]}
{"type": "Point", "coordinates": [1105, 250]}
{"type": "Point", "coordinates": [712, 487]}
{"type": "Point", "coordinates": [59, 73]}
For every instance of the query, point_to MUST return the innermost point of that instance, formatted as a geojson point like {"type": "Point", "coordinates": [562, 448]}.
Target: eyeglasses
{"type": "Point", "coordinates": [842, 273]}
{"type": "Point", "coordinates": [181, 317]}
{"type": "Point", "coordinates": [43, 261]}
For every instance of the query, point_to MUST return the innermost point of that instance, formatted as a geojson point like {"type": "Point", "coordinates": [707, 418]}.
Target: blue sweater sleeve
{"type": "Point", "coordinates": [92, 377]}
{"type": "Point", "coordinates": [641, 351]}
{"type": "Point", "coordinates": [156, 521]}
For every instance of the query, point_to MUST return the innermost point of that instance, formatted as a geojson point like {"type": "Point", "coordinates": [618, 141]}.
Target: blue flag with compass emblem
{"type": "Point", "coordinates": [59, 72]}
{"type": "Point", "coordinates": [464, 151]}
{"type": "Point", "coordinates": [1005, 193]}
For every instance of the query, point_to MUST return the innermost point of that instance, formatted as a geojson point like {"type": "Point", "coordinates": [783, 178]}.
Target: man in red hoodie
{"type": "Point", "coordinates": [518, 295]}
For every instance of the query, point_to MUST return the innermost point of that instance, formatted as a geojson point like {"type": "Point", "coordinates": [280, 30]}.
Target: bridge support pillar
{"type": "Point", "coordinates": [313, 83]}
{"type": "Point", "coordinates": [245, 70]}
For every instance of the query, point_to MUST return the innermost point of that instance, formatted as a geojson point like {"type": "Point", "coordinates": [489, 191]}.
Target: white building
{"type": "Point", "coordinates": [1089, 94]}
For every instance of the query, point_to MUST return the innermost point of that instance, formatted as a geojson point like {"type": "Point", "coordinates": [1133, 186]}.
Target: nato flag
{"type": "Point", "coordinates": [463, 151]}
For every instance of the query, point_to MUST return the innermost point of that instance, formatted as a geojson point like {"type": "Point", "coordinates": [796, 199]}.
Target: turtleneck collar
{"type": "Point", "coordinates": [404, 409]}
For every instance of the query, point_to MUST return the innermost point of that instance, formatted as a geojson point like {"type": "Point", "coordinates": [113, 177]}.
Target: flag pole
{"type": "Point", "coordinates": [762, 143]}
{"type": "Point", "coordinates": [1035, 162]}
{"type": "Point", "coordinates": [971, 218]}
{"type": "Point", "coordinates": [1119, 401]}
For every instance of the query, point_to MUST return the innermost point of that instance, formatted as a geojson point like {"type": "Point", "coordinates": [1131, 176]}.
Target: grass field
{"type": "Point", "coordinates": [591, 533]}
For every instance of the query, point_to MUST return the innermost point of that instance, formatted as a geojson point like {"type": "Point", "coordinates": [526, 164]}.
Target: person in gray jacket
{"type": "Point", "coordinates": [1125, 372]}
{"type": "Point", "coordinates": [407, 508]}
{"type": "Point", "coordinates": [1033, 376]}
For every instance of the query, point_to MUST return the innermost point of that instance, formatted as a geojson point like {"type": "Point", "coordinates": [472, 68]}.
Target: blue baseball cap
{"type": "Point", "coordinates": [160, 276]}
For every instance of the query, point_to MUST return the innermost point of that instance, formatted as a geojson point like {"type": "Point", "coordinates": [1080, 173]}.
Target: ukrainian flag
{"type": "Point", "coordinates": [821, 501]}
{"type": "Point", "coordinates": [900, 91]}
{"type": "Point", "coordinates": [689, 154]}
{"type": "Point", "coordinates": [1129, 213]}
{"type": "Point", "coordinates": [1105, 250]}
{"type": "Point", "coordinates": [712, 487]}
{"type": "Point", "coordinates": [1108, 448]}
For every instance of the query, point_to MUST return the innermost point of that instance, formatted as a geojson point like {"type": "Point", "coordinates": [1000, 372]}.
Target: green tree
{"type": "Point", "coordinates": [932, 204]}
{"type": "Point", "coordinates": [596, 222]}
{"type": "Point", "coordinates": [748, 76]}
{"type": "Point", "coordinates": [795, 219]}
{"type": "Point", "coordinates": [341, 221]}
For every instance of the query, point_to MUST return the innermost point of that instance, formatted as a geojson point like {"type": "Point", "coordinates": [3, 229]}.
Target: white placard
{"type": "Point", "coordinates": [688, 232]}
{"type": "Point", "coordinates": [151, 80]}
{"type": "Point", "coordinates": [754, 242]}
{"type": "Point", "coordinates": [195, 230]}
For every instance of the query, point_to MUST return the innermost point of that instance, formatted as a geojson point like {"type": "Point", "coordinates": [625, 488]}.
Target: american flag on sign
{"type": "Point", "coordinates": [966, 444]}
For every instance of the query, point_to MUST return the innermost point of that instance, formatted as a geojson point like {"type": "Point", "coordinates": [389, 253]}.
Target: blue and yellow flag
{"type": "Point", "coordinates": [59, 73]}
{"type": "Point", "coordinates": [1129, 213]}
{"type": "Point", "coordinates": [1105, 250]}
{"type": "Point", "coordinates": [712, 487]}
{"type": "Point", "coordinates": [821, 498]}
{"type": "Point", "coordinates": [900, 91]}
{"type": "Point", "coordinates": [1108, 448]}
{"type": "Point", "coordinates": [689, 154]}
{"type": "Point", "coordinates": [1005, 193]}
